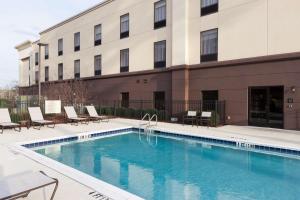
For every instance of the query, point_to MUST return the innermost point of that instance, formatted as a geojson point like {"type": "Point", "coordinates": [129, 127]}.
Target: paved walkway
{"type": "Point", "coordinates": [12, 163]}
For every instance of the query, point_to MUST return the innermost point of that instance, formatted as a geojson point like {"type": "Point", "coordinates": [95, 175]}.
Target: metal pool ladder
{"type": "Point", "coordinates": [148, 127]}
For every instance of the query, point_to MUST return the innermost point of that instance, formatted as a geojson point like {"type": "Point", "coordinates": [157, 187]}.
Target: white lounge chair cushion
{"type": "Point", "coordinates": [78, 118]}
{"type": "Point", "coordinates": [206, 114]}
{"type": "Point", "coordinates": [25, 181]}
{"type": "Point", "coordinates": [35, 114]}
{"type": "Point", "coordinates": [8, 124]}
{"type": "Point", "coordinates": [70, 111]}
{"type": "Point", "coordinates": [4, 115]}
{"type": "Point", "coordinates": [92, 111]}
{"type": "Point", "coordinates": [192, 113]}
{"type": "Point", "coordinates": [43, 122]}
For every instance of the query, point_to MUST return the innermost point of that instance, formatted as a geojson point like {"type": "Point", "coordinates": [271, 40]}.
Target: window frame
{"type": "Point", "coordinates": [124, 68]}
{"type": "Point", "coordinates": [46, 51]}
{"type": "Point", "coordinates": [212, 56]}
{"type": "Point", "coordinates": [161, 23]}
{"type": "Point", "coordinates": [76, 75]}
{"type": "Point", "coordinates": [36, 58]}
{"type": "Point", "coordinates": [126, 33]}
{"type": "Point", "coordinates": [160, 64]}
{"type": "Point", "coordinates": [210, 9]}
{"type": "Point", "coordinates": [99, 41]}
{"type": "Point", "coordinates": [76, 47]}
{"type": "Point", "coordinates": [60, 43]}
{"type": "Point", "coordinates": [60, 76]}
{"type": "Point", "coordinates": [46, 73]}
{"type": "Point", "coordinates": [99, 71]}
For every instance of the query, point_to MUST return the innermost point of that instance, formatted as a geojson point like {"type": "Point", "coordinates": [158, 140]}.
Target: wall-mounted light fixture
{"type": "Point", "coordinates": [293, 89]}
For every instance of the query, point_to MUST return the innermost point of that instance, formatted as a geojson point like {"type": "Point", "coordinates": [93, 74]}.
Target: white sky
{"type": "Point", "coordinates": [21, 20]}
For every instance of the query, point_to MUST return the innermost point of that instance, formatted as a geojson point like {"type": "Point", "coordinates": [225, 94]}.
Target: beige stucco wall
{"type": "Point", "coordinates": [247, 28]}
{"type": "Point", "coordinates": [140, 42]}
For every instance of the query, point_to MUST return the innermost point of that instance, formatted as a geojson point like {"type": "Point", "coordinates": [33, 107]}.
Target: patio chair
{"type": "Point", "coordinates": [205, 118]}
{"type": "Point", "coordinates": [191, 116]}
{"type": "Point", "coordinates": [20, 185]}
{"type": "Point", "coordinates": [94, 115]}
{"type": "Point", "coordinates": [5, 121]}
{"type": "Point", "coordinates": [73, 118]}
{"type": "Point", "coordinates": [37, 118]}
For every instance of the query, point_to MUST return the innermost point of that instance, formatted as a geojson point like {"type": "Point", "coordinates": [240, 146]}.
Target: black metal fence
{"type": "Point", "coordinates": [134, 109]}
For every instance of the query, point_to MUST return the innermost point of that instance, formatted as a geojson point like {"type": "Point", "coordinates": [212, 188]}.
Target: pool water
{"type": "Point", "coordinates": [181, 169]}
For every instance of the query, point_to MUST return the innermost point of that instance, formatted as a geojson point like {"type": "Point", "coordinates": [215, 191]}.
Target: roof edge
{"type": "Point", "coordinates": [23, 45]}
{"type": "Point", "coordinates": [105, 2]}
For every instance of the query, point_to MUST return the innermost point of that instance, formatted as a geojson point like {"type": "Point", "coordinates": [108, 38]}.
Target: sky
{"type": "Point", "coordinates": [22, 20]}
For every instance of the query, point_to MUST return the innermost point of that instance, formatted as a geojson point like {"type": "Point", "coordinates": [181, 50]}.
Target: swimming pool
{"type": "Point", "coordinates": [180, 168]}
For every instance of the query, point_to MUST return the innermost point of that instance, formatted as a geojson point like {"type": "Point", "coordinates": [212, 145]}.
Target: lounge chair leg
{"type": "Point", "coordinates": [2, 129]}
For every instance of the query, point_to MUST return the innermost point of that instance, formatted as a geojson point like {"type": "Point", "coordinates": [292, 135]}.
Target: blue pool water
{"type": "Point", "coordinates": [182, 169]}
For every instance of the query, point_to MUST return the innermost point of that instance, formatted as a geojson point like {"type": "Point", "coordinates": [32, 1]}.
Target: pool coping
{"type": "Point", "coordinates": [87, 180]}
{"type": "Point", "coordinates": [26, 148]}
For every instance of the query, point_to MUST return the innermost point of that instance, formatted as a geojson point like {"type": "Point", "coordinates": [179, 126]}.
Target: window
{"type": "Point", "coordinates": [125, 99]}
{"type": "Point", "coordinates": [77, 69]}
{"type": "Point", "coordinates": [60, 47]}
{"type": "Point", "coordinates": [46, 74]}
{"type": "Point", "coordinates": [98, 34]}
{"type": "Point", "coordinates": [210, 98]}
{"type": "Point", "coordinates": [209, 6]}
{"type": "Point", "coordinates": [60, 71]}
{"type": "Point", "coordinates": [160, 14]}
{"type": "Point", "coordinates": [160, 54]}
{"type": "Point", "coordinates": [47, 52]}
{"type": "Point", "coordinates": [36, 58]}
{"type": "Point", "coordinates": [124, 26]}
{"type": "Point", "coordinates": [124, 60]}
{"type": "Point", "coordinates": [36, 77]}
{"type": "Point", "coordinates": [98, 65]}
{"type": "Point", "coordinates": [77, 41]}
{"type": "Point", "coordinates": [209, 45]}
{"type": "Point", "coordinates": [159, 100]}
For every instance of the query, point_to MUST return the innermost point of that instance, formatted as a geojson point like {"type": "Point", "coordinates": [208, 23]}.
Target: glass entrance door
{"type": "Point", "coordinates": [266, 106]}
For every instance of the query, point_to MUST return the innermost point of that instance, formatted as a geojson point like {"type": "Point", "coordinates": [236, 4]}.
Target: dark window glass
{"type": "Point", "coordinates": [98, 35]}
{"type": "Point", "coordinates": [124, 60]}
{"type": "Point", "coordinates": [124, 26]}
{"type": "Point", "coordinates": [60, 47]}
{"type": "Point", "coordinates": [60, 71]}
{"type": "Point", "coordinates": [159, 100]}
{"type": "Point", "coordinates": [209, 6]}
{"type": "Point", "coordinates": [47, 52]}
{"type": "Point", "coordinates": [160, 14]}
{"type": "Point", "coordinates": [36, 77]}
{"type": "Point", "coordinates": [209, 45]}
{"type": "Point", "coordinates": [98, 65]}
{"type": "Point", "coordinates": [125, 99]}
{"type": "Point", "coordinates": [77, 69]}
{"type": "Point", "coordinates": [46, 74]}
{"type": "Point", "coordinates": [160, 54]}
{"type": "Point", "coordinates": [36, 58]}
{"type": "Point", "coordinates": [77, 41]}
{"type": "Point", "coordinates": [210, 99]}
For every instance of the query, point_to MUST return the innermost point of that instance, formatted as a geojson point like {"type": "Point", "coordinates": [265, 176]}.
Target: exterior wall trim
{"type": "Point", "coordinates": [77, 16]}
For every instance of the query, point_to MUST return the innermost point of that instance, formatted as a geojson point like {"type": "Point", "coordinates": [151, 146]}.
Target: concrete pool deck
{"type": "Point", "coordinates": [12, 162]}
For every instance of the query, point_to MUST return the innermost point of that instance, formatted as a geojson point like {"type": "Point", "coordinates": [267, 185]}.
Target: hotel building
{"type": "Point", "coordinates": [243, 52]}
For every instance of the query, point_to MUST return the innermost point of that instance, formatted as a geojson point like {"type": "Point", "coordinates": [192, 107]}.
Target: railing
{"type": "Point", "coordinates": [132, 109]}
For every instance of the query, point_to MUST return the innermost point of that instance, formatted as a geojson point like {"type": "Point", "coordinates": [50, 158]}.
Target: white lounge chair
{"type": "Point", "coordinates": [5, 121]}
{"type": "Point", "coordinates": [73, 117]}
{"type": "Point", "coordinates": [94, 115]}
{"type": "Point", "coordinates": [37, 118]}
{"type": "Point", "coordinates": [20, 185]}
